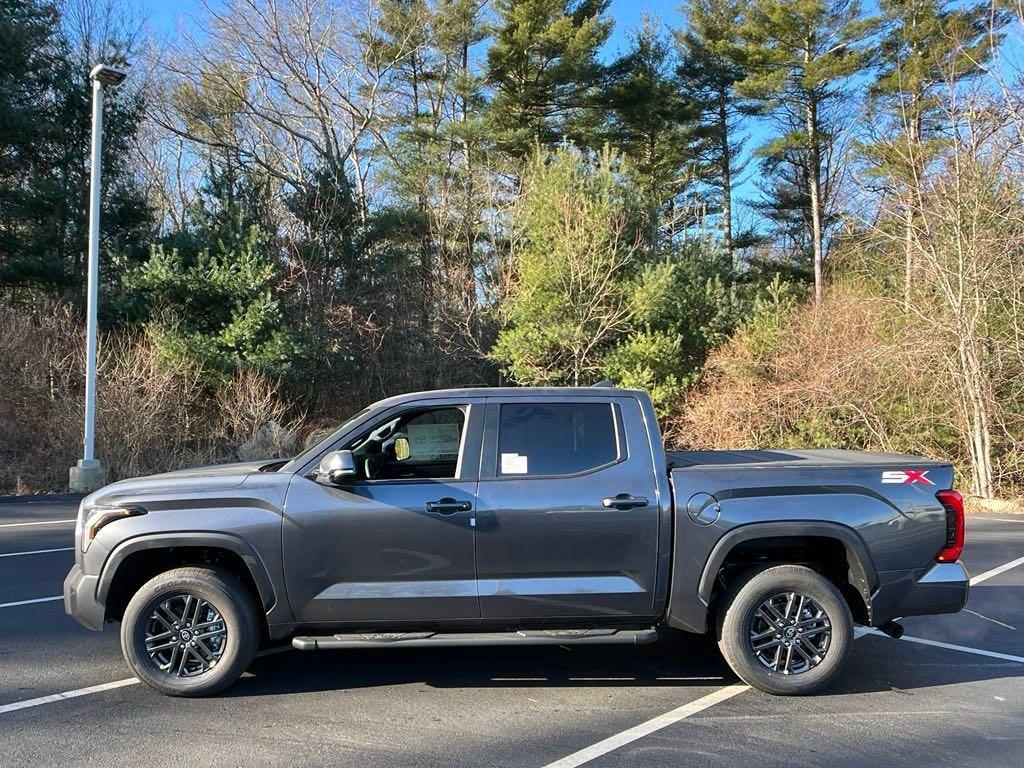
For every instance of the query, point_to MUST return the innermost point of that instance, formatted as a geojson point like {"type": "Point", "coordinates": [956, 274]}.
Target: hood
{"type": "Point", "coordinates": [235, 469]}
{"type": "Point", "coordinates": [215, 477]}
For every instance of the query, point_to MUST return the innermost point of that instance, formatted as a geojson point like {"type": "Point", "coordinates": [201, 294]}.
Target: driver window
{"type": "Point", "coordinates": [420, 444]}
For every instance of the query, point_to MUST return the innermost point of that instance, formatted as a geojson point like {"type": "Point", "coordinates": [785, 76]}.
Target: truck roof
{"type": "Point", "coordinates": [600, 390]}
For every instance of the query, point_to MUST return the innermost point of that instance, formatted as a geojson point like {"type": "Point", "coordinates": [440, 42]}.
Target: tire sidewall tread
{"type": "Point", "coordinates": [232, 599]}
{"type": "Point", "coordinates": [748, 593]}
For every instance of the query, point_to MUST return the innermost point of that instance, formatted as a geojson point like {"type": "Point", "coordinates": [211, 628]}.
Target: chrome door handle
{"type": "Point", "coordinates": [448, 506]}
{"type": "Point", "coordinates": [624, 501]}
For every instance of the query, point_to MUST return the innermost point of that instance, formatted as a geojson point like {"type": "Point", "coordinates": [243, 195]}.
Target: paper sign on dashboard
{"type": "Point", "coordinates": [432, 441]}
{"type": "Point", "coordinates": [513, 464]}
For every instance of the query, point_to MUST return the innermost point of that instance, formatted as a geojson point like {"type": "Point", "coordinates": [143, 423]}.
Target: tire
{"type": "Point", "coordinates": [215, 656]}
{"type": "Point", "coordinates": [813, 656]}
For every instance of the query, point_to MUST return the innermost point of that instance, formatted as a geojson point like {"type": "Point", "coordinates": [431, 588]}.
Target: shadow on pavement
{"type": "Point", "coordinates": [882, 664]}
{"type": "Point", "coordinates": [876, 665]}
{"type": "Point", "coordinates": [672, 662]}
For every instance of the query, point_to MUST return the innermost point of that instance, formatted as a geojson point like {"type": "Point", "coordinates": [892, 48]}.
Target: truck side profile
{"type": "Point", "coordinates": [517, 516]}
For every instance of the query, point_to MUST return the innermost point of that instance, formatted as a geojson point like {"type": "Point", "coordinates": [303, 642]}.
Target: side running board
{"type": "Point", "coordinates": [436, 639]}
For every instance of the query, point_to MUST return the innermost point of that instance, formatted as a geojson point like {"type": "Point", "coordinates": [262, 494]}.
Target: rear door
{"type": "Point", "coordinates": [567, 509]}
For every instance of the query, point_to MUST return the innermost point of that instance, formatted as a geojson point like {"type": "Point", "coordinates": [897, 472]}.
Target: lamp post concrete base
{"type": "Point", "coordinates": [86, 476]}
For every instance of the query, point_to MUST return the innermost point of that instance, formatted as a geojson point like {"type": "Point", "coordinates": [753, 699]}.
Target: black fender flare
{"type": "Point", "coordinates": [240, 547]}
{"type": "Point", "coordinates": [863, 575]}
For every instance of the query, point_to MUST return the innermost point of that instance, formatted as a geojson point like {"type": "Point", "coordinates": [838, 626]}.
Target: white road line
{"type": "Point", "coordinates": [644, 729]}
{"type": "Point", "coordinates": [37, 552]}
{"type": "Point", "coordinates": [41, 522]}
{"type": "Point", "coordinates": [996, 571]}
{"type": "Point", "coordinates": [27, 703]}
{"type": "Point", "coordinates": [55, 697]}
{"type": "Point", "coordinates": [30, 602]}
{"type": "Point", "coordinates": [952, 647]}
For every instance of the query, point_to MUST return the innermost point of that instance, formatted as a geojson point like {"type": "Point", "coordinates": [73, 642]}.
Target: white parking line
{"type": "Point", "coordinates": [644, 729]}
{"type": "Point", "coordinates": [37, 552]}
{"type": "Point", "coordinates": [950, 646]}
{"type": "Point", "coordinates": [41, 522]}
{"type": "Point", "coordinates": [30, 602]}
{"type": "Point", "coordinates": [27, 703]}
{"type": "Point", "coordinates": [996, 571]}
{"type": "Point", "coordinates": [74, 694]}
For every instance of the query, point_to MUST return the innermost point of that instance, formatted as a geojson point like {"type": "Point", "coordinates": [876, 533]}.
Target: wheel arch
{"type": "Point", "coordinates": [745, 543]}
{"type": "Point", "coordinates": [140, 558]}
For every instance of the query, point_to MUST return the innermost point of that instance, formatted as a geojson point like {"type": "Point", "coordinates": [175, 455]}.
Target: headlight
{"type": "Point", "coordinates": [97, 518]}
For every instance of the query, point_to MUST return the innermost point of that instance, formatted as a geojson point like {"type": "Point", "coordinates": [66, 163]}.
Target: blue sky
{"type": "Point", "coordinates": [165, 16]}
{"type": "Point", "coordinates": [628, 14]}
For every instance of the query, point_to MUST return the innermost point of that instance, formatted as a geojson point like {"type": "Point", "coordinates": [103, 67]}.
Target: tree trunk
{"type": "Point", "coordinates": [469, 219]}
{"type": "Point", "coordinates": [913, 193]}
{"type": "Point", "coordinates": [977, 417]}
{"type": "Point", "coordinates": [908, 247]}
{"type": "Point", "coordinates": [723, 119]}
{"type": "Point", "coordinates": [814, 182]}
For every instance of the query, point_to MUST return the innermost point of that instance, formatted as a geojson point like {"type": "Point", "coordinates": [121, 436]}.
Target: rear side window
{"type": "Point", "coordinates": [537, 440]}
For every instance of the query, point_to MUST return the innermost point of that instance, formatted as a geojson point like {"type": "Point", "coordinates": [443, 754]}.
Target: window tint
{"type": "Point", "coordinates": [555, 439]}
{"type": "Point", "coordinates": [417, 444]}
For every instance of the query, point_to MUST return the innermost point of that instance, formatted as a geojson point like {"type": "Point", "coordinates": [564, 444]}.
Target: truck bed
{"type": "Point", "coordinates": [795, 459]}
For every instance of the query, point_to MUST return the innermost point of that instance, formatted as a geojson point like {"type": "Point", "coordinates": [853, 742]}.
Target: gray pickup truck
{"type": "Point", "coordinates": [517, 517]}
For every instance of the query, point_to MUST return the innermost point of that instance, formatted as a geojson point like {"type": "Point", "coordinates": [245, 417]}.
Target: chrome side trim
{"type": "Point", "coordinates": [569, 585]}
{"type": "Point", "coordinates": [375, 590]}
{"type": "Point", "coordinates": [575, 585]}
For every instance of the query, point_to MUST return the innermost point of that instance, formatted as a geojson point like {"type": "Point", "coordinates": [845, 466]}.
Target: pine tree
{"type": "Point", "coordinates": [435, 145]}
{"type": "Point", "coordinates": [575, 246]}
{"type": "Point", "coordinates": [801, 55]}
{"type": "Point", "coordinates": [712, 64]}
{"type": "Point", "coordinates": [27, 30]}
{"type": "Point", "coordinates": [208, 292]}
{"type": "Point", "coordinates": [583, 303]}
{"type": "Point", "coordinates": [652, 124]}
{"type": "Point", "coordinates": [45, 122]}
{"type": "Point", "coordinates": [926, 47]}
{"type": "Point", "coordinates": [544, 70]}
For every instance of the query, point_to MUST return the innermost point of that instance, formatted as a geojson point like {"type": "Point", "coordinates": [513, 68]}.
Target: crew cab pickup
{"type": "Point", "coordinates": [517, 516]}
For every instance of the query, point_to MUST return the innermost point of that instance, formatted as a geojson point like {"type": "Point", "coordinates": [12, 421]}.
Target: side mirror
{"type": "Point", "coordinates": [402, 448]}
{"type": "Point", "coordinates": [336, 467]}
{"type": "Point", "coordinates": [398, 448]}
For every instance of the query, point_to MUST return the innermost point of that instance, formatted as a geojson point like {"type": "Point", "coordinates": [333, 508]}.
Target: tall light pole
{"type": "Point", "coordinates": [87, 475]}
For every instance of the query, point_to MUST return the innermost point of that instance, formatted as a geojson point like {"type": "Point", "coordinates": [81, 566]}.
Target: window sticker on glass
{"type": "Point", "coordinates": [432, 441]}
{"type": "Point", "coordinates": [513, 464]}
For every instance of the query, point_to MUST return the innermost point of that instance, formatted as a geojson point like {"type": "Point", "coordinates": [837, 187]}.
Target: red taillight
{"type": "Point", "coordinates": [954, 504]}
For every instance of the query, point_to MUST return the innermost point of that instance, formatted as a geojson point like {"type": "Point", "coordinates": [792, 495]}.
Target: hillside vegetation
{"type": "Point", "coordinates": [794, 223]}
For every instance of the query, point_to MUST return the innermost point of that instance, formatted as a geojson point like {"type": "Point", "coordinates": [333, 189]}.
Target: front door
{"type": "Point", "coordinates": [567, 511]}
{"type": "Point", "coordinates": [395, 544]}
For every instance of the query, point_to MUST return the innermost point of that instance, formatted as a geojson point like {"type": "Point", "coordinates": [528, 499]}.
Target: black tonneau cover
{"type": "Point", "coordinates": [786, 459]}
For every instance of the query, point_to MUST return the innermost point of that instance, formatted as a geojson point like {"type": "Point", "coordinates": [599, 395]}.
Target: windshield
{"type": "Point", "coordinates": [301, 459]}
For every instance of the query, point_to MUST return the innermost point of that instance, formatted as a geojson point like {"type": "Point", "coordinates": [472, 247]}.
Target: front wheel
{"type": "Point", "coordinates": [786, 630]}
{"type": "Point", "coordinates": [190, 631]}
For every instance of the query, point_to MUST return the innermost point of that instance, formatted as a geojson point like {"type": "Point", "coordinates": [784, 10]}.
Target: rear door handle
{"type": "Point", "coordinates": [448, 506]}
{"type": "Point", "coordinates": [624, 501]}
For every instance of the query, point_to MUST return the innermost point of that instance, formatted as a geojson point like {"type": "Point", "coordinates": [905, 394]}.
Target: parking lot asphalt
{"type": "Point", "coordinates": [951, 695]}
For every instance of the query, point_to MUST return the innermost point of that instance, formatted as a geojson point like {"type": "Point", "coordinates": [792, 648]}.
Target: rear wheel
{"type": "Point", "coordinates": [786, 630]}
{"type": "Point", "coordinates": [190, 631]}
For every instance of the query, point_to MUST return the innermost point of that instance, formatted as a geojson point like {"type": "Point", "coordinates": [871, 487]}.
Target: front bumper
{"type": "Point", "coordinates": [942, 588]}
{"type": "Point", "coordinates": [80, 599]}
